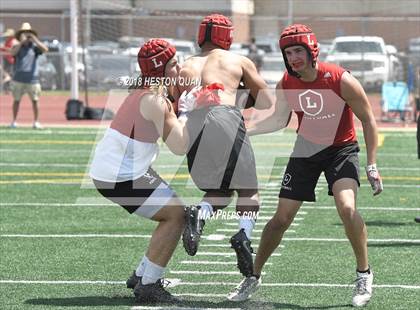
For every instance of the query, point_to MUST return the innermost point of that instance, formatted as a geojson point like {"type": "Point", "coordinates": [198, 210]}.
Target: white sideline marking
{"type": "Point", "coordinates": [207, 262]}
{"type": "Point", "coordinates": [206, 272]}
{"type": "Point", "coordinates": [78, 282]}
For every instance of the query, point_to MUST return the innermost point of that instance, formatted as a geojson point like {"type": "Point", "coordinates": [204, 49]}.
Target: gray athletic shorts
{"type": "Point", "coordinates": [220, 155]}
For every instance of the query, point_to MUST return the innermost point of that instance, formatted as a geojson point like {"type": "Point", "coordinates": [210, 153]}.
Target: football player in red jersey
{"type": "Point", "coordinates": [324, 97]}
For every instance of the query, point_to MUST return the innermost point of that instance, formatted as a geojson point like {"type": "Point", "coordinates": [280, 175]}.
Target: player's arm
{"type": "Point", "coordinates": [255, 83]}
{"type": "Point", "coordinates": [355, 96]}
{"type": "Point", "coordinates": [276, 120]}
{"type": "Point", "coordinates": [173, 132]}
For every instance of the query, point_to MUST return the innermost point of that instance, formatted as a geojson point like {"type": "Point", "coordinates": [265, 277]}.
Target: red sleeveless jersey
{"type": "Point", "coordinates": [323, 115]}
{"type": "Point", "coordinates": [130, 122]}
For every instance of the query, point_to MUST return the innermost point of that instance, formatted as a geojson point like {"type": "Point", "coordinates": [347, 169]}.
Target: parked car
{"type": "Point", "coordinates": [414, 45]}
{"type": "Point", "coordinates": [324, 49]}
{"type": "Point", "coordinates": [130, 45]}
{"type": "Point", "coordinates": [268, 45]}
{"type": "Point", "coordinates": [272, 69]}
{"type": "Point", "coordinates": [184, 46]}
{"type": "Point", "coordinates": [366, 57]}
{"type": "Point", "coordinates": [105, 71]}
{"type": "Point", "coordinates": [103, 47]}
{"type": "Point", "coordinates": [239, 48]}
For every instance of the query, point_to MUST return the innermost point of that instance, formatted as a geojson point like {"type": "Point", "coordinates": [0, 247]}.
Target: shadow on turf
{"type": "Point", "coordinates": [393, 244]}
{"type": "Point", "coordinates": [90, 301]}
{"type": "Point", "coordinates": [384, 224]}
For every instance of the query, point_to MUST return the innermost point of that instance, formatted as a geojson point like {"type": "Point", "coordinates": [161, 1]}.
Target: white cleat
{"type": "Point", "coordinates": [37, 125]}
{"type": "Point", "coordinates": [363, 289]}
{"type": "Point", "coordinates": [245, 289]}
{"type": "Point", "coordinates": [13, 125]}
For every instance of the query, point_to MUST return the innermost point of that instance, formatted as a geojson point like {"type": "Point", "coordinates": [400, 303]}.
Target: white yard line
{"type": "Point", "coordinates": [42, 165]}
{"type": "Point", "coordinates": [198, 272]}
{"type": "Point", "coordinates": [290, 231]}
{"type": "Point", "coordinates": [225, 245]}
{"type": "Point", "coordinates": [164, 166]}
{"type": "Point", "coordinates": [259, 223]}
{"type": "Point", "coordinates": [184, 308]}
{"type": "Point", "coordinates": [363, 208]}
{"type": "Point", "coordinates": [74, 236]}
{"type": "Point", "coordinates": [414, 241]}
{"type": "Point", "coordinates": [202, 253]}
{"type": "Point", "coordinates": [181, 283]}
{"type": "Point", "coordinates": [207, 262]}
{"type": "Point", "coordinates": [225, 253]}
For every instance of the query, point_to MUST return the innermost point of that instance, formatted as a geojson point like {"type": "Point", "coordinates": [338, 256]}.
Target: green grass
{"type": "Point", "coordinates": [37, 175]}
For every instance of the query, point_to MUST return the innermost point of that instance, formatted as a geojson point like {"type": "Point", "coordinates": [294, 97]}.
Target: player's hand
{"type": "Point", "coordinates": [374, 179]}
{"type": "Point", "coordinates": [187, 100]}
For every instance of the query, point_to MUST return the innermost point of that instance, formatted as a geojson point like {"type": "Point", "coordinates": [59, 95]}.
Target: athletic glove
{"type": "Point", "coordinates": [186, 101]}
{"type": "Point", "coordinates": [374, 179]}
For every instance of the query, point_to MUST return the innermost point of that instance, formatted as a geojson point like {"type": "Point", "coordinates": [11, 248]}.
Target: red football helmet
{"type": "Point", "coordinates": [217, 29]}
{"type": "Point", "coordinates": [299, 34]}
{"type": "Point", "coordinates": [153, 57]}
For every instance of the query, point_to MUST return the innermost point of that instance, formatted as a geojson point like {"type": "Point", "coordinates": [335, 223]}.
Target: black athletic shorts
{"type": "Point", "coordinates": [144, 196]}
{"type": "Point", "coordinates": [302, 174]}
{"type": "Point", "coordinates": [220, 155]}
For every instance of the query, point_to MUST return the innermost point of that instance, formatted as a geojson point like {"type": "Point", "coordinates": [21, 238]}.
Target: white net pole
{"type": "Point", "coordinates": [74, 46]}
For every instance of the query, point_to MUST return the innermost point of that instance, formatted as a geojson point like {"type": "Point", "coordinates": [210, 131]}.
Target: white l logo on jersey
{"type": "Point", "coordinates": [157, 65]}
{"type": "Point", "coordinates": [309, 104]}
{"type": "Point", "coordinates": [310, 42]}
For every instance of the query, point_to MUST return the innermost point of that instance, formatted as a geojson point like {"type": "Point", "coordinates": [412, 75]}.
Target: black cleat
{"type": "Point", "coordinates": [132, 280]}
{"type": "Point", "coordinates": [193, 230]}
{"type": "Point", "coordinates": [153, 293]}
{"type": "Point", "coordinates": [242, 246]}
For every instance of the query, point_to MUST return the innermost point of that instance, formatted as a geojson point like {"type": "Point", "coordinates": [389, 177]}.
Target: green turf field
{"type": "Point", "coordinates": [64, 247]}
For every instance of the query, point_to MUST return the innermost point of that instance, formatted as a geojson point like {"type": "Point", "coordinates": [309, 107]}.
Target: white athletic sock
{"type": "Point", "coordinates": [152, 273]}
{"type": "Point", "coordinates": [142, 266]}
{"type": "Point", "coordinates": [205, 210]}
{"type": "Point", "coordinates": [248, 225]}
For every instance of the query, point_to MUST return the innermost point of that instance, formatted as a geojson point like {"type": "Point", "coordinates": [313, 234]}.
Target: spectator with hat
{"type": "Point", "coordinates": [26, 77]}
{"type": "Point", "coordinates": [8, 59]}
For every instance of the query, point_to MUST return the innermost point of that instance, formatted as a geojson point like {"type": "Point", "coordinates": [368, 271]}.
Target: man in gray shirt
{"type": "Point", "coordinates": [26, 78]}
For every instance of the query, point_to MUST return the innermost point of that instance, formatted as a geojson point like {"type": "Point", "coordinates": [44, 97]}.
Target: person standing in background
{"type": "Point", "coordinates": [25, 77]}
